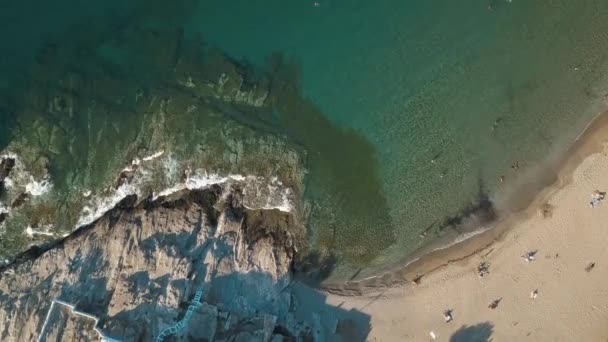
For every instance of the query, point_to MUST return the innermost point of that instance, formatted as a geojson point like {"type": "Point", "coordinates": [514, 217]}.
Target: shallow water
{"type": "Point", "coordinates": [409, 111]}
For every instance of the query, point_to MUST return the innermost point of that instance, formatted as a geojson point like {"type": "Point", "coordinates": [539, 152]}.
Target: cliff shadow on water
{"type": "Point", "coordinates": [481, 213]}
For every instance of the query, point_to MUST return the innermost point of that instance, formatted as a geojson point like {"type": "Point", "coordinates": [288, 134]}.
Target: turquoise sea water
{"type": "Point", "coordinates": [424, 80]}
{"type": "Point", "coordinates": [406, 108]}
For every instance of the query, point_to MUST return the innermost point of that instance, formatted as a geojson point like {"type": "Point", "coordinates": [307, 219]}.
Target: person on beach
{"type": "Point", "coordinates": [534, 294]}
{"type": "Point", "coordinates": [596, 197]}
{"type": "Point", "coordinates": [494, 303]}
{"type": "Point", "coordinates": [447, 315]}
{"type": "Point", "coordinates": [529, 256]}
{"type": "Point", "coordinates": [594, 202]}
{"type": "Point", "coordinates": [483, 269]}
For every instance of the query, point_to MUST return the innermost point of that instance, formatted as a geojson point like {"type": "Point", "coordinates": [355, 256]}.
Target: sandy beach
{"type": "Point", "coordinates": [572, 300]}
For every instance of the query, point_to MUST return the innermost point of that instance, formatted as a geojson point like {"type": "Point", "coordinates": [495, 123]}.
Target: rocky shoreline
{"type": "Point", "coordinates": [97, 129]}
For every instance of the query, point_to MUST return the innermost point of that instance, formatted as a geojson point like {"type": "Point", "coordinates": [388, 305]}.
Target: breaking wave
{"type": "Point", "coordinates": [258, 192]}
{"type": "Point", "coordinates": [21, 180]}
{"type": "Point", "coordinates": [157, 175]}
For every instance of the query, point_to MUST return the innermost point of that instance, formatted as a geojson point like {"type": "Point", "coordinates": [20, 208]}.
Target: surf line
{"type": "Point", "coordinates": [196, 302]}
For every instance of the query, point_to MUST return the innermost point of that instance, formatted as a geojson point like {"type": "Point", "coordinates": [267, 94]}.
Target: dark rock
{"type": "Point", "coordinates": [6, 165]}
{"type": "Point", "coordinates": [20, 200]}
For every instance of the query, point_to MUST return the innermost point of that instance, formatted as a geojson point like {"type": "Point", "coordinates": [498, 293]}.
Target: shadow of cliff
{"type": "Point", "coordinates": [314, 268]}
{"type": "Point", "coordinates": [89, 292]}
{"type": "Point", "coordinates": [481, 332]}
{"type": "Point", "coordinates": [227, 300]}
{"type": "Point", "coordinates": [482, 210]}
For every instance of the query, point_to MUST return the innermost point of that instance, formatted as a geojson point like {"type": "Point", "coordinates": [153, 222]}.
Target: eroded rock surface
{"type": "Point", "coordinates": [137, 270]}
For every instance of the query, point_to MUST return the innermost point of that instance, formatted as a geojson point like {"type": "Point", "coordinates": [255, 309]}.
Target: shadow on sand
{"type": "Point", "coordinates": [481, 332]}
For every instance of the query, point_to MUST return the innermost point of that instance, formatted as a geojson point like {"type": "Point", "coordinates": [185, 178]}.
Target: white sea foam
{"type": "Point", "coordinates": [3, 210]}
{"type": "Point", "coordinates": [198, 181]}
{"type": "Point", "coordinates": [21, 179]}
{"type": "Point", "coordinates": [459, 239]}
{"type": "Point", "coordinates": [258, 193]}
{"type": "Point", "coordinates": [463, 237]}
{"type": "Point", "coordinates": [38, 188]}
{"type": "Point", "coordinates": [98, 206]}
{"type": "Point", "coordinates": [261, 195]}
{"type": "Point", "coordinates": [153, 156]}
{"type": "Point", "coordinates": [170, 166]}
{"type": "Point", "coordinates": [8, 154]}
{"type": "Point", "coordinates": [29, 231]}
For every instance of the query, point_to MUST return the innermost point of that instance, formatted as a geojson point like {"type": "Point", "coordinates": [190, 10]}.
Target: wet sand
{"type": "Point", "coordinates": [572, 303]}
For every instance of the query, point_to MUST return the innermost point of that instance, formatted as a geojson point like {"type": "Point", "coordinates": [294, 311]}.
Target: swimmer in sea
{"type": "Point", "coordinates": [495, 124]}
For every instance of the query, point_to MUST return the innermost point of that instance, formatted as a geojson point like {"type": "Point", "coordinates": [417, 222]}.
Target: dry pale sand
{"type": "Point", "coordinates": [572, 304]}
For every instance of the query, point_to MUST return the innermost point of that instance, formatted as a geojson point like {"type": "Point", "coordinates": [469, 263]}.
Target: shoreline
{"type": "Point", "coordinates": [501, 293]}
{"type": "Point", "coordinates": [440, 253]}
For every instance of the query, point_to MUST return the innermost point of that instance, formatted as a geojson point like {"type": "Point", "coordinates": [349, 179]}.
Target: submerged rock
{"type": "Point", "coordinates": [6, 165]}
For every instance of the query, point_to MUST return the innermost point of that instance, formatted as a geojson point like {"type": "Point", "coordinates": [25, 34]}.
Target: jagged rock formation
{"type": "Point", "coordinates": [138, 269]}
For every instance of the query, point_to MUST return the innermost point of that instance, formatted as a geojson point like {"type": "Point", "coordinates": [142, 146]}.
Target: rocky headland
{"type": "Point", "coordinates": [193, 266]}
